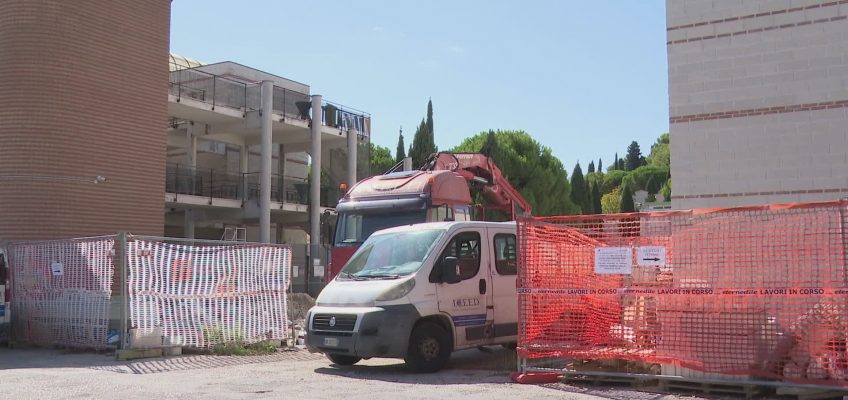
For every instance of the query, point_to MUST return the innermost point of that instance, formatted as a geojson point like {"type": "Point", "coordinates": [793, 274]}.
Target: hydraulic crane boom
{"type": "Point", "coordinates": [480, 170]}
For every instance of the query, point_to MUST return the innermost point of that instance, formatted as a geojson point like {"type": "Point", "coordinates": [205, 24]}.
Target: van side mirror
{"type": "Point", "coordinates": [450, 270]}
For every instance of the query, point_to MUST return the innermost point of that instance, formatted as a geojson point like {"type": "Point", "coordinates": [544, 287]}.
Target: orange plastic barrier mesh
{"type": "Point", "coordinates": [757, 291]}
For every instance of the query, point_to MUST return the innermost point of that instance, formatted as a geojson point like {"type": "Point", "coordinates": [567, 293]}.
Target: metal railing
{"type": "Point", "coordinates": [182, 179]}
{"type": "Point", "coordinates": [220, 91]}
{"type": "Point", "coordinates": [344, 118]}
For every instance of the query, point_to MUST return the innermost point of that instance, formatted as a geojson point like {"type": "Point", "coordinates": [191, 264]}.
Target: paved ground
{"type": "Point", "coordinates": [49, 374]}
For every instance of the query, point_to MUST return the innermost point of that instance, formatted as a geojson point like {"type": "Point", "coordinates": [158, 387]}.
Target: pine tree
{"type": "Point", "coordinates": [596, 199]}
{"type": "Point", "coordinates": [634, 157]}
{"type": "Point", "coordinates": [591, 168]}
{"type": "Point", "coordinates": [627, 205]}
{"type": "Point", "coordinates": [600, 165]}
{"type": "Point", "coordinates": [400, 154]}
{"type": "Point", "coordinates": [579, 192]}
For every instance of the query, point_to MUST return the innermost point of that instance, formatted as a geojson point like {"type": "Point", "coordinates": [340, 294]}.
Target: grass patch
{"type": "Point", "coordinates": [242, 349]}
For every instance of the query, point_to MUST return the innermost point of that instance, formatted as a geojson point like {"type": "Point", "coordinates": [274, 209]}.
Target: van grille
{"type": "Point", "coordinates": [343, 322]}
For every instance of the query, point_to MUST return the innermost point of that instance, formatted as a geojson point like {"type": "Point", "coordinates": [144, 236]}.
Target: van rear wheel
{"type": "Point", "coordinates": [341, 359]}
{"type": "Point", "coordinates": [429, 348]}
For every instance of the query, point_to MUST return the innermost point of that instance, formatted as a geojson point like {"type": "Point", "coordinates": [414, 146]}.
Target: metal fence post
{"type": "Point", "coordinates": [121, 256]}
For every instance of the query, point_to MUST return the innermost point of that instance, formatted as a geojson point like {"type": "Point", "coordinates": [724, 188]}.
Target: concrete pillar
{"type": "Point", "coordinates": [279, 227]}
{"type": "Point", "coordinates": [188, 224]}
{"type": "Point", "coordinates": [265, 165]}
{"type": "Point", "coordinates": [352, 151]}
{"type": "Point", "coordinates": [315, 180]}
{"type": "Point", "coordinates": [191, 144]}
{"type": "Point", "coordinates": [244, 153]}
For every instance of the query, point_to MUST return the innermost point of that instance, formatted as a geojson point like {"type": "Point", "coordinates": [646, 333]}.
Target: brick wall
{"type": "Point", "coordinates": [758, 101]}
{"type": "Point", "coordinates": [83, 92]}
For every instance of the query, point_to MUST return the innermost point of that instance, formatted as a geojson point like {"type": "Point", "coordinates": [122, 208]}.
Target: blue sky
{"type": "Point", "coordinates": [583, 78]}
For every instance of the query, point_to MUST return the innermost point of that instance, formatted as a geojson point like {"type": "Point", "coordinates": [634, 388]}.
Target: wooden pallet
{"type": "Point", "coordinates": [600, 380]}
{"type": "Point", "coordinates": [749, 391]}
{"type": "Point", "coordinates": [811, 394]}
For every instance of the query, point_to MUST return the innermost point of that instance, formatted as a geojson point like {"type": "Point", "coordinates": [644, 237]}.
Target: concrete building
{"type": "Point", "coordinates": [758, 101]}
{"type": "Point", "coordinates": [214, 183]}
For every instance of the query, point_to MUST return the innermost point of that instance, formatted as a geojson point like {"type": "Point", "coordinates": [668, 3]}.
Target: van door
{"type": "Point", "coordinates": [504, 272]}
{"type": "Point", "coordinates": [468, 302]}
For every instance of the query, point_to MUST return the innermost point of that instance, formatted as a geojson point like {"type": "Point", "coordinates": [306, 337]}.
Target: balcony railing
{"type": "Point", "coordinates": [219, 91]}
{"type": "Point", "coordinates": [181, 179]}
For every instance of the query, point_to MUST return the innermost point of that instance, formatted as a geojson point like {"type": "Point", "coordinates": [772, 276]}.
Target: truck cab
{"type": "Point", "coordinates": [396, 199]}
{"type": "Point", "coordinates": [420, 292]}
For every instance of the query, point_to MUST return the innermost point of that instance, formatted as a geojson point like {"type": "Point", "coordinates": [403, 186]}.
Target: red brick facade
{"type": "Point", "coordinates": [83, 92]}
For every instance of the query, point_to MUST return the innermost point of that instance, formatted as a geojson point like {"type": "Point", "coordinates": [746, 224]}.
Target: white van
{"type": "Point", "coordinates": [420, 292]}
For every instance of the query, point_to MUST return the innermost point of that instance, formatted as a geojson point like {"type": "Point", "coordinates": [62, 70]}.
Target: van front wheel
{"type": "Point", "coordinates": [340, 359]}
{"type": "Point", "coordinates": [429, 348]}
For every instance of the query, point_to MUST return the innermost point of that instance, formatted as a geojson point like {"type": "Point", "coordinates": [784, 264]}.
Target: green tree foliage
{"type": "Point", "coordinates": [612, 180]}
{"type": "Point", "coordinates": [381, 159]}
{"type": "Point", "coordinates": [530, 167]}
{"type": "Point", "coordinates": [634, 157]}
{"type": "Point", "coordinates": [660, 153]}
{"type": "Point", "coordinates": [614, 165]}
{"type": "Point", "coordinates": [600, 165]}
{"type": "Point", "coordinates": [597, 208]}
{"type": "Point", "coordinates": [400, 153]}
{"type": "Point", "coordinates": [666, 190]}
{"type": "Point", "coordinates": [648, 175]}
{"type": "Point", "coordinates": [579, 190]}
{"type": "Point", "coordinates": [591, 168]}
{"type": "Point", "coordinates": [611, 201]}
{"type": "Point", "coordinates": [423, 143]}
{"type": "Point", "coordinates": [626, 205]}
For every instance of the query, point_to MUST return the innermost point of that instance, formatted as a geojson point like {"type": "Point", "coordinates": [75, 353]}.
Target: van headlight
{"type": "Point", "coordinates": [397, 291]}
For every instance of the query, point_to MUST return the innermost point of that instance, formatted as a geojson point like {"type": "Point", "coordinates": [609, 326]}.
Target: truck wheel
{"type": "Point", "coordinates": [340, 359]}
{"type": "Point", "coordinates": [429, 348]}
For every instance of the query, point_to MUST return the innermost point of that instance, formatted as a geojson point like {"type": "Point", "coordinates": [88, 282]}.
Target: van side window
{"type": "Point", "coordinates": [506, 258]}
{"type": "Point", "coordinates": [466, 248]}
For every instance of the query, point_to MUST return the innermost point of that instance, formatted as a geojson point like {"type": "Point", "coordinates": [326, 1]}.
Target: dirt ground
{"type": "Point", "coordinates": [473, 374]}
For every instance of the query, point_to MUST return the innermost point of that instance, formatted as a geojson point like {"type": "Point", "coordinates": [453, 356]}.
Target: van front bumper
{"type": "Point", "coordinates": [361, 332]}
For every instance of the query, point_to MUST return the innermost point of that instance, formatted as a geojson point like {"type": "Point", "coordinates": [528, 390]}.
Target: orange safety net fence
{"type": "Point", "coordinates": [757, 291]}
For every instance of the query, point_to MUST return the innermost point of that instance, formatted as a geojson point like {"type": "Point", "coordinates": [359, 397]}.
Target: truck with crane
{"type": "Point", "coordinates": [439, 191]}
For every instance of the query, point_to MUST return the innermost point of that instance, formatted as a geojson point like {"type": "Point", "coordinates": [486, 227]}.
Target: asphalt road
{"type": "Point", "coordinates": [50, 374]}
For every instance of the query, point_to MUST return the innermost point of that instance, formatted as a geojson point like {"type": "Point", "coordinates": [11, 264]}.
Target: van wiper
{"type": "Point", "coordinates": [348, 275]}
{"type": "Point", "coordinates": [380, 276]}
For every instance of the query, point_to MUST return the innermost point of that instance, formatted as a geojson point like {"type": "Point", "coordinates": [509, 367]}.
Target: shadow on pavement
{"type": "Point", "coordinates": [49, 358]}
{"type": "Point", "coordinates": [492, 365]}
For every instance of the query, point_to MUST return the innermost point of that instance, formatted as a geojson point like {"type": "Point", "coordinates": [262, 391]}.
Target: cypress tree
{"type": "Point", "coordinates": [615, 163]}
{"type": "Point", "coordinates": [579, 192]}
{"type": "Point", "coordinates": [600, 165]}
{"type": "Point", "coordinates": [591, 168]}
{"type": "Point", "coordinates": [400, 154]}
{"type": "Point", "coordinates": [626, 205]}
{"type": "Point", "coordinates": [596, 199]}
{"type": "Point", "coordinates": [423, 143]}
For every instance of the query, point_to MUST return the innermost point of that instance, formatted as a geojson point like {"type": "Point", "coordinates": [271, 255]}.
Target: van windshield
{"type": "Point", "coordinates": [353, 229]}
{"type": "Point", "coordinates": [391, 255]}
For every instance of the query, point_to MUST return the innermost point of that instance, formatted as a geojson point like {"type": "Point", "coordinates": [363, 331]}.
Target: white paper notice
{"type": "Point", "coordinates": [318, 271]}
{"type": "Point", "coordinates": [652, 256]}
{"type": "Point", "coordinates": [295, 271]}
{"type": "Point", "coordinates": [613, 260]}
{"type": "Point", "coordinates": [57, 268]}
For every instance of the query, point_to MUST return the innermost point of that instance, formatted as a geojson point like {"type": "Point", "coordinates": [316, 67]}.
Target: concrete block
{"type": "Point", "coordinates": [132, 354]}
{"type": "Point", "coordinates": [169, 351]}
{"type": "Point", "coordinates": [145, 340]}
